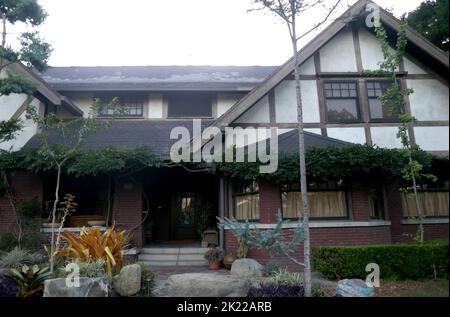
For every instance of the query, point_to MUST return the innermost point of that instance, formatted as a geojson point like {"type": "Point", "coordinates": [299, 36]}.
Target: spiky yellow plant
{"type": "Point", "coordinates": [91, 245]}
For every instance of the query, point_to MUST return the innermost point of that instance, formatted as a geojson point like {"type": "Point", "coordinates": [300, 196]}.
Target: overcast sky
{"type": "Point", "coordinates": [172, 32]}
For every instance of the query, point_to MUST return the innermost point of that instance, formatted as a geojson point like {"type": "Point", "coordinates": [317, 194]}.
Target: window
{"type": "Point", "coordinates": [326, 201]}
{"type": "Point", "coordinates": [190, 105]}
{"type": "Point", "coordinates": [133, 106]}
{"type": "Point", "coordinates": [433, 196]}
{"type": "Point", "coordinates": [246, 201]}
{"type": "Point", "coordinates": [376, 203]}
{"type": "Point", "coordinates": [342, 101]}
{"type": "Point", "coordinates": [378, 111]}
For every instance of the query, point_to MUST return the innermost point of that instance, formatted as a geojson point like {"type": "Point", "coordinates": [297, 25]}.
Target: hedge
{"type": "Point", "coordinates": [396, 261]}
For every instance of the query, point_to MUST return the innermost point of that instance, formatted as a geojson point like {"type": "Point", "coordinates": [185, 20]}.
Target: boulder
{"type": "Point", "coordinates": [89, 287]}
{"type": "Point", "coordinates": [354, 288]}
{"type": "Point", "coordinates": [203, 285]}
{"type": "Point", "coordinates": [128, 281]}
{"type": "Point", "coordinates": [247, 268]}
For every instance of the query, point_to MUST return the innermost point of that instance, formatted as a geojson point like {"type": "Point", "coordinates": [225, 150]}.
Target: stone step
{"type": "Point", "coordinates": [158, 257]}
{"type": "Point", "coordinates": [156, 250]}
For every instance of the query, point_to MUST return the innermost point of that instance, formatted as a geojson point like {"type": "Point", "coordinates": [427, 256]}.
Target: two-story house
{"type": "Point", "coordinates": [340, 105]}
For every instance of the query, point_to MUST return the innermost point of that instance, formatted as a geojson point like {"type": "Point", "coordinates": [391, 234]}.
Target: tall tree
{"type": "Point", "coordinates": [33, 51]}
{"type": "Point", "coordinates": [290, 12]}
{"type": "Point", "coordinates": [431, 20]}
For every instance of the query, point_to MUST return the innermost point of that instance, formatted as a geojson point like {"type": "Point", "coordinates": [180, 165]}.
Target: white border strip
{"type": "Point", "coordinates": [72, 229]}
{"type": "Point", "coordinates": [429, 221]}
{"type": "Point", "coordinates": [326, 224]}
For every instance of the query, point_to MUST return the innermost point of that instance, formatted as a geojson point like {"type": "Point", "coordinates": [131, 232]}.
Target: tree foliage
{"type": "Point", "coordinates": [431, 20]}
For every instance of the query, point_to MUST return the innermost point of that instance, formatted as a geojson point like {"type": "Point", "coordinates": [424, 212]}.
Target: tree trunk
{"type": "Point", "coordinates": [55, 205]}
{"type": "Point", "coordinates": [418, 207]}
{"type": "Point", "coordinates": [302, 163]}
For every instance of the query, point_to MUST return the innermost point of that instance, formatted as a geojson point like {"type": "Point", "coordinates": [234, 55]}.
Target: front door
{"type": "Point", "coordinates": [186, 210]}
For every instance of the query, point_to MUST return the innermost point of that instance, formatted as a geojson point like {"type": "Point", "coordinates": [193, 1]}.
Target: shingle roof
{"type": "Point", "coordinates": [224, 78]}
{"type": "Point", "coordinates": [128, 134]}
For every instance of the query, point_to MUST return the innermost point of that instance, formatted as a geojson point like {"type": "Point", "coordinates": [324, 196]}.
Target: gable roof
{"type": "Point", "coordinates": [156, 78]}
{"type": "Point", "coordinates": [43, 90]}
{"type": "Point", "coordinates": [440, 58]}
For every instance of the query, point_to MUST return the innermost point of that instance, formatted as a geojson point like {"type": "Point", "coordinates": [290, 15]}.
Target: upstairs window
{"type": "Point", "coordinates": [342, 102]}
{"type": "Point", "coordinates": [129, 106]}
{"type": "Point", "coordinates": [190, 105]}
{"type": "Point", "coordinates": [378, 111]}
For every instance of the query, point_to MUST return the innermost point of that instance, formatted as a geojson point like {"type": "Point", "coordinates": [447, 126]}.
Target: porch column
{"type": "Point", "coordinates": [127, 208]}
{"type": "Point", "coordinates": [221, 209]}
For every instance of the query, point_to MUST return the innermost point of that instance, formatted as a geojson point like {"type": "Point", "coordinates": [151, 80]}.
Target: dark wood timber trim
{"type": "Point", "coordinates": [320, 94]}
{"type": "Point", "coordinates": [412, 136]}
{"type": "Point", "coordinates": [357, 45]}
{"type": "Point", "coordinates": [318, 125]}
{"type": "Point", "coordinates": [272, 108]}
{"type": "Point", "coordinates": [317, 64]}
{"type": "Point", "coordinates": [365, 112]}
{"type": "Point", "coordinates": [22, 108]}
{"type": "Point", "coordinates": [431, 73]}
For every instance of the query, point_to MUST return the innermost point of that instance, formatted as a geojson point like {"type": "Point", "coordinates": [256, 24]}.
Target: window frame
{"type": "Point", "coordinates": [356, 98]}
{"type": "Point", "coordinates": [241, 194]}
{"type": "Point", "coordinates": [106, 99]}
{"type": "Point", "coordinates": [376, 120]}
{"type": "Point", "coordinates": [344, 189]}
{"type": "Point", "coordinates": [167, 101]}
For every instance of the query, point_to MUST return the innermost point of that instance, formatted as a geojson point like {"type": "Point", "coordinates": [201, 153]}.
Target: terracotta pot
{"type": "Point", "coordinates": [228, 260]}
{"type": "Point", "coordinates": [214, 265]}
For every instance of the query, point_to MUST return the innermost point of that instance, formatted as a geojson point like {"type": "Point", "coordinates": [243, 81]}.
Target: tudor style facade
{"type": "Point", "coordinates": [340, 105]}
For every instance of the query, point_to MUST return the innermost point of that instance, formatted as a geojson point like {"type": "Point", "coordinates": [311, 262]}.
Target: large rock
{"type": "Point", "coordinates": [247, 268]}
{"type": "Point", "coordinates": [128, 281]}
{"type": "Point", "coordinates": [89, 287]}
{"type": "Point", "coordinates": [354, 288]}
{"type": "Point", "coordinates": [202, 285]}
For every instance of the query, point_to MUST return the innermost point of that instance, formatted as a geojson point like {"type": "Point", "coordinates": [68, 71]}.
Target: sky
{"type": "Point", "coordinates": [173, 32]}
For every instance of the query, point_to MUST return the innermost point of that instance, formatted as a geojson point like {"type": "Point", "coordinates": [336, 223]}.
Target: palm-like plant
{"type": "Point", "coordinates": [91, 245]}
{"type": "Point", "coordinates": [29, 280]}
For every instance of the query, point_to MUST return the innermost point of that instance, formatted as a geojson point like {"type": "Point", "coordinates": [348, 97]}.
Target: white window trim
{"type": "Point", "coordinates": [429, 221]}
{"type": "Point", "coordinates": [326, 224]}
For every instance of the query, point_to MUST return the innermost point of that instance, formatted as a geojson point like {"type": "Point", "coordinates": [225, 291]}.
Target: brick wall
{"type": "Point", "coordinates": [405, 233]}
{"type": "Point", "coordinates": [269, 202]}
{"type": "Point", "coordinates": [127, 208]}
{"type": "Point", "coordinates": [319, 236]}
{"type": "Point", "coordinates": [25, 186]}
{"type": "Point", "coordinates": [360, 204]}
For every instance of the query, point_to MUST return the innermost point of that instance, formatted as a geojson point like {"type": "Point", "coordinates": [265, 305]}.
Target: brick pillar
{"type": "Point", "coordinates": [269, 201]}
{"type": "Point", "coordinates": [127, 208]}
{"type": "Point", "coordinates": [360, 204]}
{"type": "Point", "coordinates": [25, 186]}
{"type": "Point", "coordinates": [395, 211]}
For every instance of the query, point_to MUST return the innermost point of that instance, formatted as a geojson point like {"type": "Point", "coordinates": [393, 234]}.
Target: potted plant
{"type": "Point", "coordinates": [214, 256]}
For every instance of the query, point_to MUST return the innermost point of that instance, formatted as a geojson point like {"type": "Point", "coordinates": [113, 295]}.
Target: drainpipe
{"type": "Point", "coordinates": [221, 209]}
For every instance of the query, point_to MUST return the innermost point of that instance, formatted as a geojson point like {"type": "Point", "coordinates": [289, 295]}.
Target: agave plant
{"type": "Point", "coordinates": [29, 280]}
{"type": "Point", "coordinates": [91, 245]}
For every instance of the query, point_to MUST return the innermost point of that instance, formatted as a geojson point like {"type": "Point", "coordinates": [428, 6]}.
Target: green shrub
{"type": "Point", "coordinates": [396, 261]}
{"type": "Point", "coordinates": [8, 241]}
{"type": "Point", "coordinates": [16, 258]}
{"type": "Point", "coordinates": [271, 269]}
{"type": "Point", "coordinates": [284, 277]}
{"type": "Point", "coordinates": [29, 208]}
{"type": "Point", "coordinates": [147, 281]}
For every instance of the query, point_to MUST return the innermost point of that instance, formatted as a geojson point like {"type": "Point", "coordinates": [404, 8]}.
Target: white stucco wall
{"type": "Point", "coordinates": [353, 135]}
{"type": "Point", "coordinates": [412, 68]}
{"type": "Point", "coordinates": [83, 101]}
{"type": "Point", "coordinates": [432, 138]}
{"type": "Point", "coordinates": [308, 68]}
{"type": "Point", "coordinates": [155, 106]}
{"type": "Point", "coordinates": [10, 104]}
{"type": "Point", "coordinates": [429, 102]}
{"type": "Point", "coordinates": [286, 106]}
{"type": "Point", "coordinates": [371, 53]}
{"type": "Point", "coordinates": [338, 55]}
{"type": "Point", "coordinates": [225, 102]}
{"type": "Point", "coordinates": [259, 113]}
{"type": "Point", "coordinates": [385, 137]}
{"type": "Point", "coordinates": [29, 129]}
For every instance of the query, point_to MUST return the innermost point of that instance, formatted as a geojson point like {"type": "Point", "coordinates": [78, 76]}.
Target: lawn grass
{"type": "Point", "coordinates": [425, 288]}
